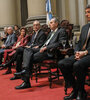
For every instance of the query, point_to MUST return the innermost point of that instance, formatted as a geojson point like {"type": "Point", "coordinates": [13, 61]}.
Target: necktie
{"type": "Point", "coordinates": [7, 39]}
{"type": "Point", "coordinates": [47, 42]}
{"type": "Point", "coordinates": [88, 35]}
{"type": "Point", "coordinates": [34, 38]}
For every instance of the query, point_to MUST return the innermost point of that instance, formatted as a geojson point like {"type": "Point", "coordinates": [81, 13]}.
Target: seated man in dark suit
{"type": "Point", "coordinates": [11, 39]}
{"type": "Point", "coordinates": [37, 39]}
{"type": "Point", "coordinates": [31, 56]}
{"type": "Point", "coordinates": [74, 68]}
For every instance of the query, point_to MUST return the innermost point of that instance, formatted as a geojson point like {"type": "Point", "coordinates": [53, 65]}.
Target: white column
{"type": "Point", "coordinates": [72, 12]}
{"type": "Point", "coordinates": [59, 9]}
{"type": "Point", "coordinates": [63, 9]}
{"type": "Point", "coordinates": [7, 12]}
{"type": "Point", "coordinates": [81, 12]}
{"type": "Point", "coordinates": [88, 2]}
{"type": "Point", "coordinates": [18, 11]}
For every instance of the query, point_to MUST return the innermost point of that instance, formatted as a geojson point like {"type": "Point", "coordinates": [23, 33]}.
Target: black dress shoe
{"type": "Point", "coordinates": [20, 73]}
{"type": "Point", "coordinates": [24, 85]}
{"type": "Point", "coordinates": [81, 96]}
{"type": "Point", "coordinates": [72, 96]}
{"type": "Point", "coordinates": [14, 78]}
{"type": "Point", "coordinates": [7, 72]}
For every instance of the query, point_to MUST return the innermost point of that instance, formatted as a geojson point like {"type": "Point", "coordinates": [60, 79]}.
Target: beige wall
{"type": "Point", "coordinates": [10, 10]}
{"type": "Point", "coordinates": [36, 7]}
{"type": "Point", "coordinates": [7, 12]}
{"type": "Point", "coordinates": [18, 10]}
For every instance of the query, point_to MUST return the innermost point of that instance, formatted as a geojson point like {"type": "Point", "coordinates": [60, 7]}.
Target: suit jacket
{"type": "Point", "coordinates": [56, 40]}
{"type": "Point", "coordinates": [39, 40]}
{"type": "Point", "coordinates": [82, 39]}
{"type": "Point", "coordinates": [10, 40]}
{"type": "Point", "coordinates": [22, 41]}
{"type": "Point", "coordinates": [12, 51]}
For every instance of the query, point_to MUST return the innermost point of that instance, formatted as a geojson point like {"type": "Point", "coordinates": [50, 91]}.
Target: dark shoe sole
{"type": "Point", "coordinates": [15, 78]}
{"type": "Point", "coordinates": [23, 87]}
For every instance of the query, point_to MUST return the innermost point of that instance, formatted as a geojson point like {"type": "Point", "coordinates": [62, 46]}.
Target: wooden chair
{"type": "Point", "coordinates": [48, 65]}
{"type": "Point", "coordinates": [87, 81]}
{"type": "Point", "coordinates": [51, 65]}
{"type": "Point", "coordinates": [67, 52]}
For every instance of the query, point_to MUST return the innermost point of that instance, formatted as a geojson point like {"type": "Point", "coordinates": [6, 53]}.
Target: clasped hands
{"type": "Point", "coordinates": [43, 49]}
{"type": "Point", "coordinates": [80, 54]}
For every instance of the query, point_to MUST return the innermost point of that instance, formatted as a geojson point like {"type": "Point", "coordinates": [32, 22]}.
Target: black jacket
{"type": "Point", "coordinates": [39, 40]}
{"type": "Point", "coordinates": [82, 39]}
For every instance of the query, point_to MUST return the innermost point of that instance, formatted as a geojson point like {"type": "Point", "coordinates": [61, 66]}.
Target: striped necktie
{"type": "Point", "coordinates": [47, 42]}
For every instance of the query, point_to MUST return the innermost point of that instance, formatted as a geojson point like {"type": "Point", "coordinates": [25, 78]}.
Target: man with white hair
{"type": "Point", "coordinates": [53, 41]}
{"type": "Point", "coordinates": [11, 38]}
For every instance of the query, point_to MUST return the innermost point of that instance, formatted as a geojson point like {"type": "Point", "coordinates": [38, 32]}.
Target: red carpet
{"type": "Point", "coordinates": [39, 91]}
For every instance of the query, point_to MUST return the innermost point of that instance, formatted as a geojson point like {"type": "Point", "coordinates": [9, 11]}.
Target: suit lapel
{"type": "Point", "coordinates": [37, 35]}
{"type": "Point", "coordinates": [49, 35]}
{"type": "Point", "coordinates": [55, 35]}
{"type": "Point", "coordinates": [86, 33]}
{"type": "Point", "coordinates": [32, 37]}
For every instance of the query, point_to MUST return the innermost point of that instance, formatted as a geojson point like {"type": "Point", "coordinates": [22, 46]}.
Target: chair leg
{"type": "Point", "coordinates": [65, 89]}
{"type": "Point", "coordinates": [39, 68]}
{"type": "Point", "coordinates": [36, 72]}
{"type": "Point", "coordinates": [50, 80]}
{"type": "Point", "coordinates": [58, 73]}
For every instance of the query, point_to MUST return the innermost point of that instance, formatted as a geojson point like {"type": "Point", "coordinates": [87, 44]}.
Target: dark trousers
{"type": "Point", "coordinates": [1, 55]}
{"type": "Point", "coordinates": [74, 71]}
{"type": "Point", "coordinates": [18, 57]}
{"type": "Point", "coordinates": [30, 57]}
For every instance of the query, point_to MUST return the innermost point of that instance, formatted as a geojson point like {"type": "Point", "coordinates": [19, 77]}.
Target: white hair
{"type": "Point", "coordinates": [36, 21]}
{"type": "Point", "coordinates": [10, 28]}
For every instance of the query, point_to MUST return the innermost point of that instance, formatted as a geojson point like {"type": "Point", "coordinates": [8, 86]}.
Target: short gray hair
{"type": "Point", "coordinates": [36, 21]}
{"type": "Point", "coordinates": [10, 28]}
{"type": "Point", "coordinates": [55, 19]}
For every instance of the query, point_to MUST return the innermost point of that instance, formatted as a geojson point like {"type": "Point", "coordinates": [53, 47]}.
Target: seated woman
{"type": "Point", "coordinates": [21, 41]}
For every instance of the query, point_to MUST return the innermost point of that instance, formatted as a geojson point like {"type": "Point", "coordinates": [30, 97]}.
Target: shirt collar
{"type": "Point", "coordinates": [54, 30]}
{"type": "Point", "coordinates": [37, 31]}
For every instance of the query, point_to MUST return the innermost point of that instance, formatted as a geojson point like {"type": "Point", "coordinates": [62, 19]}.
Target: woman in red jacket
{"type": "Point", "coordinates": [21, 41]}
